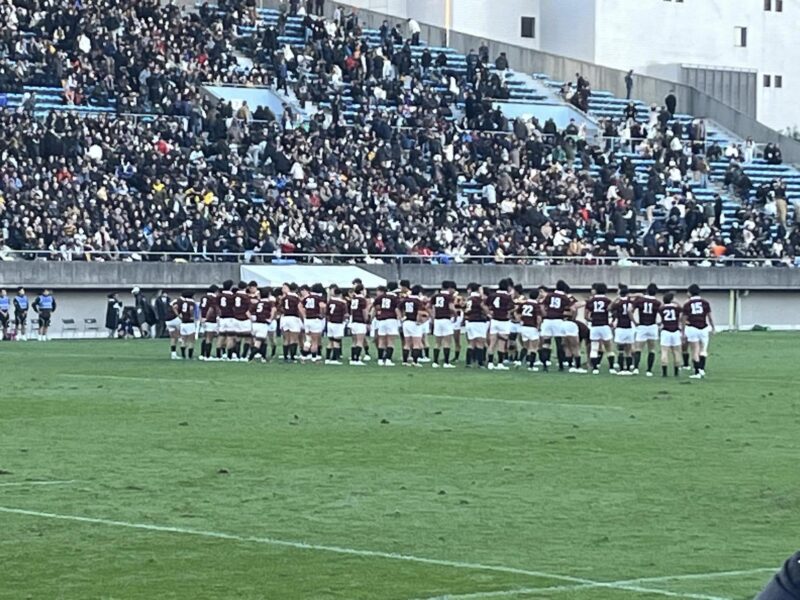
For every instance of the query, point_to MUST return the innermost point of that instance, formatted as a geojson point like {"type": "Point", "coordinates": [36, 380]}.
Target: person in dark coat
{"type": "Point", "coordinates": [671, 102]}
{"type": "Point", "coordinates": [628, 84]}
{"type": "Point", "coordinates": [785, 585]}
{"type": "Point", "coordinates": [145, 316]}
{"type": "Point", "coordinates": [113, 314]}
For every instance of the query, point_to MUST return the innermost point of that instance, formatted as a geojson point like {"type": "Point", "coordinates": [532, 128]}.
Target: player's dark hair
{"type": "Point", "coordinates": [357, 281]}
{"type": "Point", "coordinates": [416, 290]}
{"type": "Point", "coordinates": [293, 287]}
{"type": "Point", "coordinates": [534, 294]}
{"type": "Point", "coordinates": [252, 283]}
{"type": "Point", "coordinates": [405, 283]}
{"type": "Point", "coordinates": [562, 286]}
{"type": "Point", "coordinates": [623, 289]}
{"type": "Point", "coordinates": [518, 288]}
{"type": "Point", "coordinates": [227, 284]}
{"type": "Point", "coordinates": [445, 285]}
{"type": "Point", "coordinates": [381, 288]}
{"type": "Point", "coordinates": [242, 285]}
{"type": "Point", "coordinates": [391, 285]}
{"type": "Point", "coordinates": [213, 288]}
{"type": "Point", "coordinates": [544, 288]}
{"type": "Point", "coordinates": [277, 291]}
{"type": "Point", "coordinates": [358, 288]}
{"type": "Point", "coordinates": [652, 289]}
{"type": "Point", "coordinates": [694, 290]}
{"type": "Point", "coordinates": [305, 288]}
{"type": "Point", "coordinates": [334, 290]}
{"type": "Point", "coordinates": [473, 287]}
{"type": "Point", "coordinates": [318, 288]}
{"type": "Point", "coordinates": [184, 294]}
{"type": "Point", "coordinates": [600, 288]}
{"type": "Point", "coordinates": [668, 297]}
{"type": "Point", "coordinates": [265, 292]}
{"type": "Point", "coordinates": [503, 285]}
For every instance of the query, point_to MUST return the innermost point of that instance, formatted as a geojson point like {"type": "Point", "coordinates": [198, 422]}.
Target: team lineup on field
{"type": "Point", "coordinates": [501, 328]}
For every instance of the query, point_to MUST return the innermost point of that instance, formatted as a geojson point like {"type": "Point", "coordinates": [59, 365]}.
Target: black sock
{"type": "Point", "coordinates": [246, 350]}
{"type": "Point", "coordinates": [677, 371]}
{"type": "Point", "coordinates": [523, 354]}
{"type": "Point", "coordinates": [337, 353]}
{"type": "Point", "coordinates": [629, 362]}
{"type": "Point", "coordinates": [544, 356]}
{"type": "Point", "coordinates": [491, 358]}
{"type": "Point", "coordinates": [611, 362]}
{"type": "Point", "coordinates": [285, 351]}
{"type": "Point", "coordinates": [406, 352]}
{"type": "Point", "coordinates": [293, 350]}
{"type": "Point", "coordinates": [481, 356]}
{"type": "Point", "coordinates": [595, 362]}
{"type": "Point", "coordinates": [447, 356]}
{"type": "Point", "coordinates": [381, 353]}
{"type": "Point", "coordinates": [427, 352]}
{"type": "Point", "coordinates": [637, 358]}
{"type": "Point", "coordinates": [501, 357]}
{"type": "Point", "coordinates": [416, 354]}
{"type": "Point", "coordinates": [238, 348]}
{"type": "Point", "coordinates": [469, 356]}
{"type": "Point", "coordinates": [327, 353]}
{"type": "Point", "coordinates": [696, 364]}
{"type": "Point", "coordinates": [531, 359]}
{"type": "Point", "coordinates": [663, 370]}
{"type": "Point", "coordinates": [389, 352]}
{"type": "Point", "coordinates": [457, 354]}
{"type": "Point", "coordinates": [191, 352]}
{"type": "Point", "coordinates": [577, 362]}
{"type": "Point", "coordinates": [172, 348]}
{"type": "Point", "coordinates": [436, 356]}
{"type": "Point", "coordinates": [685, 359]}
{"type": "Point", "coordinates": [358, 353]}
{"type": "Point", "coordinates": [621, 361]}
{"type": "Point", "coordinates": [353, 353]}
{"type": "Point", "coordinates": [274, 350]}
{"type": "Point", "coordinates": [219, 352]}
{"type": "Point", "coordinates": [230, 353]}
{"type": "Point", "coordinates": [651, 358]}
{"type": "Point", "coordinates": [560, 355]}
{"type": "Point", "coordinates": [703, 363]}
{"type": "Point", "coordinates": [183, 351]}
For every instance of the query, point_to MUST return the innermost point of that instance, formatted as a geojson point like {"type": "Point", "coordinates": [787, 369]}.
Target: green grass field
{"type": "Point", "coordinates": [195, 480]}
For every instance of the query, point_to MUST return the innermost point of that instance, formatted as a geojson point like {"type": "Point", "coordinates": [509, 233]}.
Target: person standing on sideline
{"type": "Point", "coordinates": [5, 305]}
{"type": "Point", "coordinates": [21, 314]}
{"type": "Point", "coordinates": [785, 585]}
{"type": "Point", "coordinates": [44, 306]}
{"type": "Point", "coordinates": [628, 84]}
{"type": "Point", "coordinates": [671, 102]}
{"type": "Point", "coordinates": [113, 314]}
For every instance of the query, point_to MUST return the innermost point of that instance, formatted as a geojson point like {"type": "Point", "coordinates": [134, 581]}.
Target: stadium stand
{"type": "Point", "coordinates": [403, 151]}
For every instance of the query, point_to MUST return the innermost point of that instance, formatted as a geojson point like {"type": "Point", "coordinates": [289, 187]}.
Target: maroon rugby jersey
{"type": "Point", "coordinates": [290, 305]}
{"type": "Point", "coordinates": [647, 306]}
{"type": "Point", "coordinates": [696, 311]}
{"type": "Point", "coordinates": [226, 304]}
{"type": "Point", "coordinates": [411, 305]}
{"type": "Point", "coordinates": [263, 310]}
{"type": "Point", "coordinates": [173, 310]}
{"type": "Point", "coordinates": [473, 309]}
{"type": "Point", "coordinates": [441, 303]}
{"type": "Point", "coordinates": [599, 310]}
{"type": "Point", "coordinates": [670, 316]}
{"type": "Point", "coordinates": [337, 310]}
{"type": "Point", "coordinates": [555, 303]}
{"type": "Point", "coordinates": [186, 308]}
{"type": "Point", "coordinates": [386, 306]}
{"type": "Point", "coordinates": [529, 313]}
{"type": "Point", "coordinates": [622, 309]}
{"type": "Point", "coordinates": [209, 307]}
{"type": "Point", "coordinates": [241, 305]}
{"type": "Point", "coordinates": [313, 305]}
{"type": "Point", "coordinates": [358, 308]}
{"type": "Point", "coordinates": [501, 304]}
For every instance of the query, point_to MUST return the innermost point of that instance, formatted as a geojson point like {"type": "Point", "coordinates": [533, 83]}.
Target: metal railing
{"type": "Point", "coordinates": [250, 257]}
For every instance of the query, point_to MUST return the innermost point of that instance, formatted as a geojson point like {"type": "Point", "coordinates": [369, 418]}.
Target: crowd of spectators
{"type": "Point", "coordinates": [429, 171]}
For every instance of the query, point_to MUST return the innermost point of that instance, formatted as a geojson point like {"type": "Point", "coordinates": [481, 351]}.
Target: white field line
{"type": "Point", "coordinates": [24, 483]}
{"type": "Point", "coordinates": [466, 398]}
{"type": "Point", "coordinates": [623, 582]}
{"type": "Point", "coordinates": [134, 378]}
{"type": "Point", "coordinates": [583, 583]}
{"type": "Point", "coordinates": [573, 588]}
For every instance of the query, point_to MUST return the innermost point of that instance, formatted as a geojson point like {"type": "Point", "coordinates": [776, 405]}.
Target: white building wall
{"type": "Point", "coordinates": [568, 28]}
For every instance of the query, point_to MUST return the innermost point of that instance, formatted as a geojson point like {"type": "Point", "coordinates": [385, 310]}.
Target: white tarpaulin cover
{"type": "Point", "coordinates": [341, 275]}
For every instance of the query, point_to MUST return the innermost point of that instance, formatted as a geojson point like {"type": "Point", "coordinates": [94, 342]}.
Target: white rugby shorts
{"type": "Point", "coordinates": [624, 335]}
{"type": "Point", "coordinates": [600, 333]}
{"type": "Point", "coordinates": [570, 329]}
{"type": "Point", "coordinates": [336, 330]}
{"type": "Point", "coordinates": [291, 324]}
{"type": "Point", "coordinates": [314, 325]}
{"type": "Point", "coordinates": [174, 325]}
{"type": "Point", "coordinates": [476, 329]}
{"type": "Point", "coordinates": [443, 327]}
{"type": "Point", "coordinates": [209, 327]}
{"type": "Point", "coordinates": [358, 328]}
{"type": "Point", "coordinates": [529, 334]}
{"type": "Point", "coordinates": [500, 327]}
{"type": "Point", "coordinates": [226, 325]}
{"type": "Point", "coordinates": [260, 330]}
{"type": "Point", "coordinates": [646, 333]}
{"type": "Point", "coordinates": [552, 328]}
{"type": "Point", "coordinates": [413, 329]}
{"type": "Point", "coordinates": [388, 327]}
{"type": "Point", "coordinates": [242, 327]}
{"type": "Point", "coordinates": [188, 329]}
{"type": "Point", "coordinates": [693, 334]}
{"type": "Point", "coordinates": [670, 339]}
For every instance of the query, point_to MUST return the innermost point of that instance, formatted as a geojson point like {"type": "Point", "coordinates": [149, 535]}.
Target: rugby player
{"type": "Point", "coordinates": [624, 333]}
{"type": "Point", "coordinates": [172, 320]}
{"type": "Point", "coordinates": [386, 310]}
{"type": "Point", "coordinates": [263, 317]}
{"type": "Point", "coordinates": [669, 313]}
{"type": "Point", "coordinates": [314, 323]}
{"type": "Point", "coordinates": [476, 324]}
{"type": "Point", "coordinates": [574, 332]}
{"type": "Point", "coordinates": [372, 330]}
{"type": "Point", "coordinates": [359, 319]}
{"type": "Point", "coordinates": [290, 307]}
{"type": "Point", "coordinates": [186, 308]}
{"type": "Point", "coordinates": [443, 305]}
{"type": "Point", "coordinates": [241, 324]}
{"type": "Point", "coordinates": [500, 305]}
{"type": "Point", "coordinates": [554, 305]}
{"type": "Point", "coordinates": [336, 315]}
{"type": "Point", "coordinates": [646, 306]}
{"type": "Point", "coordinates": [598, 313]}
{"type": "Point", "coordinates": [209, 325]}
{"type": "Point", "coordinates": [226, 321]}
{"type": "Point", "coordinates": [698, 327]}
{"type": "Point", "coordinates": [44, 305]}
{"type": "Point", "coordinates": [414, 316]}
{"type": "Point", "coordinates": [529, 315]}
